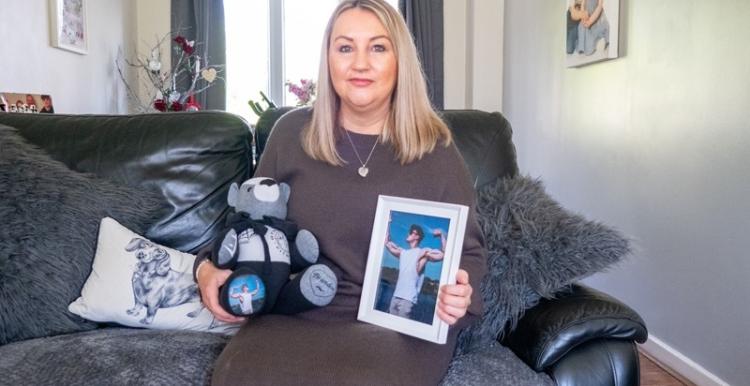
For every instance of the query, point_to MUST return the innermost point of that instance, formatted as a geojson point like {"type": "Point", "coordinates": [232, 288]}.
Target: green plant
{"type": "Point", "coordinates": [258, 108]}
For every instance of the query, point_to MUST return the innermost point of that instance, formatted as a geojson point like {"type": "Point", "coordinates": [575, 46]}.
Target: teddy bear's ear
{"type": "Point", "coordinates": [234, 191]}
{"type": "Point", "coordinates": [285, 191]}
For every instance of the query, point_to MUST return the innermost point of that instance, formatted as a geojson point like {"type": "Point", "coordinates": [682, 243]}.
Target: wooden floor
{"type": "Point", "coordinates": [653, 375]}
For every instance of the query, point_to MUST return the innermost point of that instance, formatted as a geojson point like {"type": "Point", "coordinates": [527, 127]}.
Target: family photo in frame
{"type": "Point", "coordinates": [12, 102]}
{"type": "Point", "coordinates": [414, 250]}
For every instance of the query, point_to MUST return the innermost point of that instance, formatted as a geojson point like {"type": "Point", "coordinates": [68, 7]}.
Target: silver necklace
{"type": "Point", "coordinates": [363, 170]}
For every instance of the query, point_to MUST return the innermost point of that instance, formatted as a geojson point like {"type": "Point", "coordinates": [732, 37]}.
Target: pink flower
{"type": "Point", "coordinates": [305, 91]}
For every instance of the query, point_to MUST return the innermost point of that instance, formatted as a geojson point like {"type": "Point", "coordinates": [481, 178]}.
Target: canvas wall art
{"type": "Point", "coordinates": [592, 31]}
{"type": "Point", "coordinates": [68, 29]}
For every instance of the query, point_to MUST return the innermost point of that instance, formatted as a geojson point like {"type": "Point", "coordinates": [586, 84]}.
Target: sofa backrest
{"type": "Point", "coordinates": [191, 159]}
{"type": "Point", "coordinates": [484, 140]}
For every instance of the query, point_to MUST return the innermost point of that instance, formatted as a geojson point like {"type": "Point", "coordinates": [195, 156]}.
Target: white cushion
{"type": "Point", "coordinates": [131, 275]}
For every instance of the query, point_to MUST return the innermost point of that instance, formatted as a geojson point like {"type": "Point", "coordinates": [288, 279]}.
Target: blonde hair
{"type": "Point", "coordinates": [412, 126]}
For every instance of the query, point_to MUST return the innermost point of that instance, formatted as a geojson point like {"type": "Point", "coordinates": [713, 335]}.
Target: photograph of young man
{"type": "Point", "coordinates": [245, 297]}
{"type": "Point", "coordinates": [412, 262]}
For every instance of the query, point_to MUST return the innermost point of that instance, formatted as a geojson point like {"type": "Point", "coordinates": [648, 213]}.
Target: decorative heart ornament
{"type": "Point", "coordinates": [209, 74]}
{"type": "Point", "coordinates": [363, 171]}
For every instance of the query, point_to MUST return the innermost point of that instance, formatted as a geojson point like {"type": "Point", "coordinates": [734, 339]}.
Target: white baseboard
{"type": "Point", "coordinates": [679, 363]}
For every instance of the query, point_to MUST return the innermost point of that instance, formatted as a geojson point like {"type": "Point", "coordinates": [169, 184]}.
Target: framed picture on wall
{"type": "Point", "coordinates": [415, 249]}
{"type": "Point", "coordinates": [592, 31]}
{"type": "Point", "coordinates": [68, 29]}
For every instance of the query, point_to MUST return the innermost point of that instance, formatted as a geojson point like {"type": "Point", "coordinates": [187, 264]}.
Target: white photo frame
{"type": "Point", "coordinates": [68, 25]}
{"type": "Point", "coordinates": [393, 295]}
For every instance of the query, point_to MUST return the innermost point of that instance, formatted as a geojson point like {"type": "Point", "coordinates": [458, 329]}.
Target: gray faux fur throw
{"type": "Point", "coordinates": [535, 249]}
{"type": "Point", "coordinates": [49, 220]}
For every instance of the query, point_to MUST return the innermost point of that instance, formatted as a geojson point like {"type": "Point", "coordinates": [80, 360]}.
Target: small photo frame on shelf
{"type": "Point", "coordinates": [414, 250]}
{"type": "Point", "coordinates": [12, 102]}
{"type": "Point", "coordinates": [68, 28]}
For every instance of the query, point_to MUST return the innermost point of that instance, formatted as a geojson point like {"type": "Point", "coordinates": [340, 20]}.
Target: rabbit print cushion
{"type": "Point", "coordinates": [135, 282]}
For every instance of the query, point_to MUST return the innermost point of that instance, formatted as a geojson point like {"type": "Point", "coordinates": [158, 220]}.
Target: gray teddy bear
{"type": "Point", "coordinates": [263, 249]}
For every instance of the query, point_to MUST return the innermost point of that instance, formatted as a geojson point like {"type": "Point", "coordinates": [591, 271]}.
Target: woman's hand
{"type": "Point", "coordinates": [210, 279]}
{"type": "Point", "coordinates": [454, 300]}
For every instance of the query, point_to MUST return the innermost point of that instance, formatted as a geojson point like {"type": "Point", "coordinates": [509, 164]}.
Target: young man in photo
{"type": "Point", "coordinates": [412, 262]}
{"type": "Point", "coordinates": [245, 297]}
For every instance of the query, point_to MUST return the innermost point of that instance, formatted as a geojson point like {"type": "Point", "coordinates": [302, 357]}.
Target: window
{"type": "Point", "coordinates": [270, 42]}
{"type": "Point", "coordinates": [304, 25]}
{"type": "Point", "coordinates": [247, 42]}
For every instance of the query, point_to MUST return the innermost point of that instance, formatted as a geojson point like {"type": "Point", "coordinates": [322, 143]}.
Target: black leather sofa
{"type": "Point", "coordinates": [582, 337]}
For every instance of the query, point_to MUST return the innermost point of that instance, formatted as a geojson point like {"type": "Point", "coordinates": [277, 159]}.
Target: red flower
{"type": "Point", "coordinates": [176, 106]}
{"type": "Point", "coordinates": [160, 105]}
{"type": "Point", "coordinates": [184, 44]}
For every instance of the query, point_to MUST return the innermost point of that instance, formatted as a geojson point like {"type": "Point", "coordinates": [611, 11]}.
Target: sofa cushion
{"type": "Point", "coordinates": [49, 219]}
{"type": "Point", "coordinates": [535, 249]}
{"type": "Point", "coordinates": [494, 365]}
{"type": "Point", "coordinates": [113, 356]}
{"type": "Point", "coordinates": [135, 282]}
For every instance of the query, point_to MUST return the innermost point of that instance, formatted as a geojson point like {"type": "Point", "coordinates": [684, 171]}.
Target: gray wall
{"type": "Point", "coordinates": [77, 83]}
{"type": "Point", "coordinates": [656, 143]}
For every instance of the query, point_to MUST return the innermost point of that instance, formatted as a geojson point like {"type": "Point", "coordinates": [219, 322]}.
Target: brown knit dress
{"type": "Point", "coordinates": [329, 346]}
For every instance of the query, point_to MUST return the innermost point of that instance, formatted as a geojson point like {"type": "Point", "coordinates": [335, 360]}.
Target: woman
{"type": "Point", "coordinates": [371, 131]}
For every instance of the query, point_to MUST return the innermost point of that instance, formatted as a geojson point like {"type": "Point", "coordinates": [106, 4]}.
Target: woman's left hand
{"type": "Point", "coordinates": [454, 300]}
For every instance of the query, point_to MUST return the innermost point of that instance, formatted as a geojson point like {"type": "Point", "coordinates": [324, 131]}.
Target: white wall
{"type": "Point", "coordinates": [656, 144]}
{"type": "Point", "coordinates": [152, 24]}
{"type": "Point", "coordinates": [455, 70]}
{"type": "Point", "coordinates": [77, 83]}
{"type": "Point", "coordinates": [473, 53]}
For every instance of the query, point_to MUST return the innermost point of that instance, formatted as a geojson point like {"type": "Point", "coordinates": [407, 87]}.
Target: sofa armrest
{"type": "Point", "coordinates": [551, 329]}
{"type": "Point", "coordinates": [600, 362]}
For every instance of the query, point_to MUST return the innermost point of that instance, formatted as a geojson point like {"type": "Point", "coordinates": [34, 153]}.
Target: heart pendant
{"type": "Point", "coordinates": [363, 171]}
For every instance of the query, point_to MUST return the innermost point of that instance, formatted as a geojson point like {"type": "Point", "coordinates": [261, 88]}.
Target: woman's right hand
{"type": "Point", "coordinates": [210, 279]}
